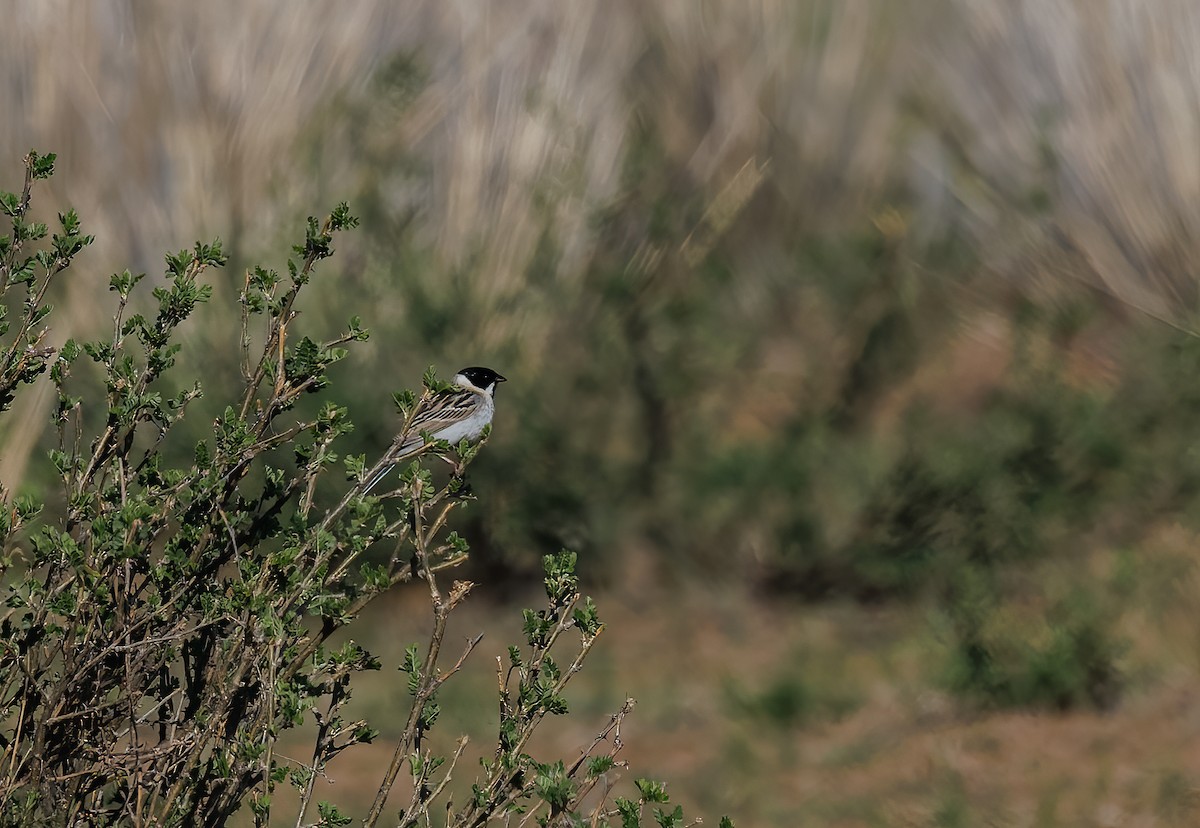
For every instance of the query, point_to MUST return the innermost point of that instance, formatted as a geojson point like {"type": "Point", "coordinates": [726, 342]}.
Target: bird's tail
{"type": "Point", "coordinates": [394, 456]}
{"type": "Point", "coordinates": [379, 475]}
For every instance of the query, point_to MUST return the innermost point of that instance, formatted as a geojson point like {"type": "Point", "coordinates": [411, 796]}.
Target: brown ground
{"type": "Point", "coordinates": [860, 734]}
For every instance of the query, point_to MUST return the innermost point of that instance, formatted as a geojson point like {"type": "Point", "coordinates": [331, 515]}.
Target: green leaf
{"type": "Point", "coordinates": [561, 583]}
{"type": "Point", "coordinates": [554, 786]}
{"type": "Point", "coordinates": [536, 627]}
{"type": "Point", "coordinates": [430, 713]}
{"type": "Point", "coordinates": [412, 665]}
{"type": "Point", "coordinates": [587, 618]}
{"type": "Point", "coordinates": [40, 166]}
{"type": "Point", "coordinates": [669, 819]}
{"type": "Point", "coordinates": [630, 812]}
{"type": "Point", "coordinates": [375, 576]}
{"type": "Point", "coordinates": [341, 219]}
{"type": "Point", "coordinates": [331, 817]}
{"type": "Point", "coordinates": [599, 764]}
{"type": "Point", "coordinates": [10, 203]}
{"type": "Point", "coordinates": [651, 790]}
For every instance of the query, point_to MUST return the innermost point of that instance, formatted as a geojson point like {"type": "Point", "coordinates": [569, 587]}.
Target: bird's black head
{"type": "Point", "coordinates": [485, 379]}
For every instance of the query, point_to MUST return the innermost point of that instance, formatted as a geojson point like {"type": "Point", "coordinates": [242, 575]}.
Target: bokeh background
{"type": "Point", "coordinates": [849, 342]}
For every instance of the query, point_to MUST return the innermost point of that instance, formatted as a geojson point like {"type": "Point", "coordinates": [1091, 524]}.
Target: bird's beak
{"type": "Point", "coordinates": [500, 378]}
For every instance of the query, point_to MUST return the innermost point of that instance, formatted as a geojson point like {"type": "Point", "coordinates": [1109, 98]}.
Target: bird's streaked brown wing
{"type": "Point", "coordinates": [444, 410]}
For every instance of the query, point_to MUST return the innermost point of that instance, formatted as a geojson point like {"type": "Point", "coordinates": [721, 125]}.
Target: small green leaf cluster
{"type": "Point", "coordinates": [25, 276]}
{"type": "Point", "coordinates": [514, 782]}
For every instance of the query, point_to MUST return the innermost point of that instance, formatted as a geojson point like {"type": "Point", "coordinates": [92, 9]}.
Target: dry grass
{"type": "Point", "coordinates": [175, 123]}
{"type": "Point", "coordinates": [1102, 112]}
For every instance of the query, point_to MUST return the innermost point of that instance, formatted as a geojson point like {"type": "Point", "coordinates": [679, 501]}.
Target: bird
{"type": "Point", "coordinates": [453, 415]}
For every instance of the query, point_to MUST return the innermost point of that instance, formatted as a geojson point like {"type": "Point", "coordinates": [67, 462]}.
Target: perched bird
{"type": "Point", "coordinates": [452, 415]}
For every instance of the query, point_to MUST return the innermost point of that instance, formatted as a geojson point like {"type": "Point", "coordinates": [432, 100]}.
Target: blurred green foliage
{"type": "Point", "coordinates": [806, 689]}
{"type": "Point", "coordinates": [736, 389]}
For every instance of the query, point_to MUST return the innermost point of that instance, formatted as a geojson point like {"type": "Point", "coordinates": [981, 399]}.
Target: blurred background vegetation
{"type": "Point", "coordinates": [850, 343]}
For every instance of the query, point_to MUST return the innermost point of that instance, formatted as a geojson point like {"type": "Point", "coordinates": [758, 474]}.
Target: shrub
{"type": "Point", "coordinates": [170, 621]}
{"type": "Point", "coordinates": [1002, 652]}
